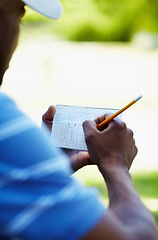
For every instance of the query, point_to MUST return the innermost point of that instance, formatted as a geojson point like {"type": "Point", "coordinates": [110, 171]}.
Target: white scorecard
{"type": "Point", "coordinates": [67, 130]}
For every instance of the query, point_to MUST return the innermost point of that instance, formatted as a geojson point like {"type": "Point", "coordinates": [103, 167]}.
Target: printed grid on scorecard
{"type": "Point", "coordinates": [67, 130]}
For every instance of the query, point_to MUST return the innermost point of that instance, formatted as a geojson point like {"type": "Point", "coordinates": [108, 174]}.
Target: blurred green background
{"type": "Point", "coordinates": [99, 53]}
{"type": "Point", "coordinates": [103, 20]}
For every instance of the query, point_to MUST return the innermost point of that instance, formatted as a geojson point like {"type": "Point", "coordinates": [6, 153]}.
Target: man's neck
{"type": "Point", "coordinates": [1, 79]}
{"type": "Point", "coordinates": [2, 72]}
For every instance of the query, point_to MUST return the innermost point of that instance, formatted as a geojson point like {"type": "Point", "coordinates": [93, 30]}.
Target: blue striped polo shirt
{"type": "Point", "coordinates": [39, 199]}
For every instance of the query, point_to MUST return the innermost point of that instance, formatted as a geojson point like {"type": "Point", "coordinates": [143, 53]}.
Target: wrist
{"type": "Point", "coordinates": [119, 184]}
{"type": "Point", "coordinates": [112, 162]}
{"type": "Point", "coordinates": [113, 168]}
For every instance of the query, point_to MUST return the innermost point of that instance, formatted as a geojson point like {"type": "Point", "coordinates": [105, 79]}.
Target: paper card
{"type": "Point", "coordinates": [67, 130]}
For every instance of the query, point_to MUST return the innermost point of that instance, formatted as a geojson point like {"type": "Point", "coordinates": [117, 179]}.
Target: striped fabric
{"type": "Point", "coordinates": [38, 197]}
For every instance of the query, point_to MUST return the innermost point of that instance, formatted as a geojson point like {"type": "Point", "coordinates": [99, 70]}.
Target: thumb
{"type": "Point", "coordinates": [49, 114]}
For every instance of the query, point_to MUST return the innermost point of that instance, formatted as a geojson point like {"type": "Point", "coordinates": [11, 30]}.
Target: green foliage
{"type": "Point", "coordinates": [93, 20]}
{"type": "Point", "coordinates": [102, 20]}
{"type": "Point", "coordinates": [147, 19]}
{"type": "Point", "coordinates": [147, 184]}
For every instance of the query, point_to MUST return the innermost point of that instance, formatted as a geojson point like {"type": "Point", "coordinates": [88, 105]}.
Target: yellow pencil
{"type": "Point", "coordinates": [100, 125]}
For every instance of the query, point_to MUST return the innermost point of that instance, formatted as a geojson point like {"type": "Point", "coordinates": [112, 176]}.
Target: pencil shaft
{"type": "Point", "coordinates": [106, 121]}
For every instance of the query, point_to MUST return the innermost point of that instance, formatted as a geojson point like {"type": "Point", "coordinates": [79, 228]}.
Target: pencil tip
{"type": "Point", "coordinates": [138, 98]}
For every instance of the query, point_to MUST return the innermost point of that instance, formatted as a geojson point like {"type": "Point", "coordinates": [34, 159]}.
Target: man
{"type": "Point", "coordinates": [38, 198]}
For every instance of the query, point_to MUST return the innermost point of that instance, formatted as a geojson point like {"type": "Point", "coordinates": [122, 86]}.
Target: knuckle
{"type": "Point", "coordinates": [85, 123]}
{"type": "Point", "coordinates": [136, 150]}
{"type": "Point", "coordinates": [122, 125]}
{"type": "Point", "coordinates": [131, 133]}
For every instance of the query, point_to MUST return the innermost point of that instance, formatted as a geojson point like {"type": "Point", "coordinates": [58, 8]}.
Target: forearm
{"type": "Point", "coordinates": [125, 203]}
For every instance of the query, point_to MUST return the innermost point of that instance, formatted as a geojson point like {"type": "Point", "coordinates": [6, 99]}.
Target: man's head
{"type": "Point", "coordinates": [11, 12]}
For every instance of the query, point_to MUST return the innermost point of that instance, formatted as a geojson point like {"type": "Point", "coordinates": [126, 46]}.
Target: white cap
{"type": "Point", "coordinates": [48, 8]}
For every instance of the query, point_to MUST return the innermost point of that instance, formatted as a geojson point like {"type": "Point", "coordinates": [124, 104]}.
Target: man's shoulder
{"type": "Point", "coordinates": [5, 100]}
{"type": "Point", "coordinates": [8, 108]}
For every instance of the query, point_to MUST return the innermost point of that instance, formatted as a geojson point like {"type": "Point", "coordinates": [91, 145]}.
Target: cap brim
{"type": "Point", "coordinates": [49, 8]}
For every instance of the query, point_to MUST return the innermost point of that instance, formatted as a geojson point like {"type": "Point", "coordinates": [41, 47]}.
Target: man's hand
{"type": "Point", "coordinates": [113, 146]}
{"type": "Point", "coordinates": [48, 117]}
{"type": "Point", "coordinates": [113, 150]}
{"type": "Point", "coordinates": [78, 159]}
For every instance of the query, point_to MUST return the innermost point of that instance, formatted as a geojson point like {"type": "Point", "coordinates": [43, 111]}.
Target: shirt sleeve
{"type": "Point", "coordinates": [38, 198]}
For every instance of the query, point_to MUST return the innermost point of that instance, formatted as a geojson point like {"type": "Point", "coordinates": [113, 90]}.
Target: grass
{"type": "Point", "coordinates": [147, 184]}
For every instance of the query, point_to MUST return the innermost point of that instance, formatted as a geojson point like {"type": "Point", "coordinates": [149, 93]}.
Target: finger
{"type": "Point", "coordinates": [70, 152]}
{"type": "Point", "coordinates": [80, 160]}
{"type": "Point", "coordinates": [102, 118]}
{"type": "Point", "coordinates": [49, 115]}
{"type": "Point", "coordinates": [117, 123]}
{"type": "Point", "coordinates": [89, 127]}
